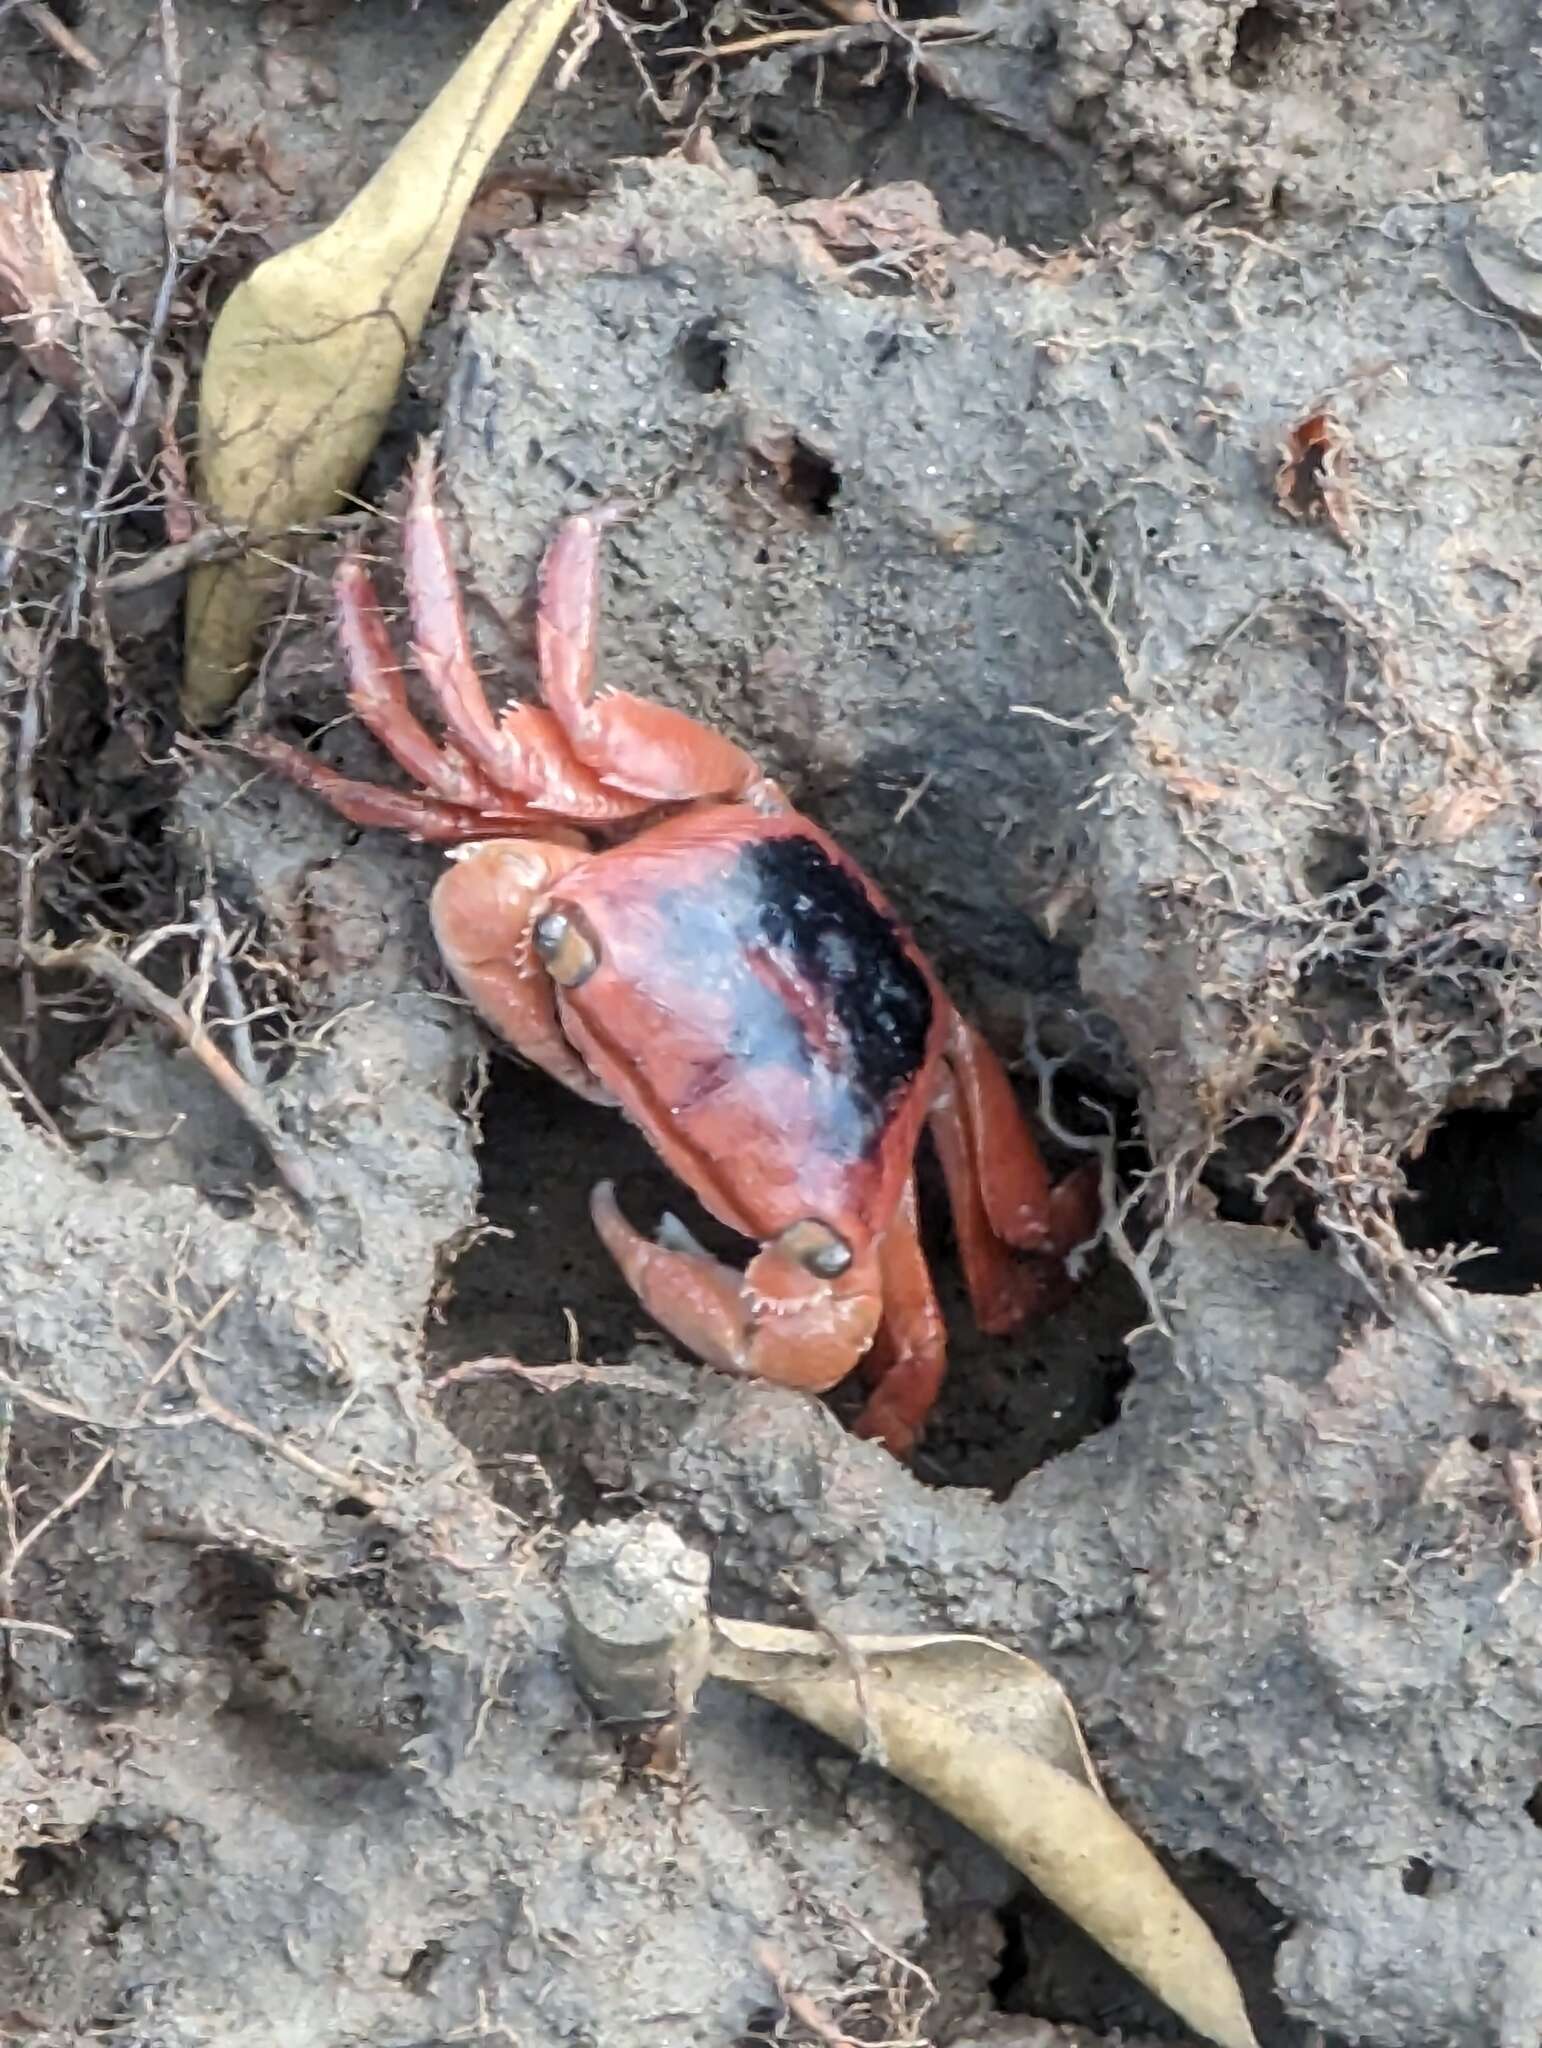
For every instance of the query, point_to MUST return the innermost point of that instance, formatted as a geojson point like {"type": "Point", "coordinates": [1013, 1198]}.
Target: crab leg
{"type": "Point", "coordinates": [911, 1351]}
{"type": "Point", "coordinates": [1002, 1198]}
{"type": "Point", "coordinates": [1023, 1205]}
{"type": "Point", "coordinates": [482, 910]}
{"type": "Point", "coordinates": [650, 750]}
{"type": "Point", "coordinates": [775, 1321]}
{"type": "Point", "coordinates": [525, 751]}
{"type": "Point", "coordinates": [379, 697]}
{"type": "Point", "coordinates": [397, 810]}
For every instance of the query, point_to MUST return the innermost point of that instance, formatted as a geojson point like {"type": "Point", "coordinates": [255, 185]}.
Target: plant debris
{"type": "Point", "coordinates": [1312, 481]}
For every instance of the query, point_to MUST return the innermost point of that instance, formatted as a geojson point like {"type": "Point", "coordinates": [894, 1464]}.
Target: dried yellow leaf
{"type": "Point", "coordinates": [307, 354]}
{"type": "Point", "coordinates": [991, 1738]}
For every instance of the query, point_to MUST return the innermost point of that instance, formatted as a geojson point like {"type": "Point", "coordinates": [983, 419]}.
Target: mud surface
{"type": "Point", "coordinates": [1081, 460]}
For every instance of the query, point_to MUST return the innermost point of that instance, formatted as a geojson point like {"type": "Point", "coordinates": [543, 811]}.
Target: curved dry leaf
{"type": "Point", "coordinates": [48, 308]}
{"type": "Point", "coordinates": [306, 356]}
{"type": "Point", "coordinates": [990, 1737]}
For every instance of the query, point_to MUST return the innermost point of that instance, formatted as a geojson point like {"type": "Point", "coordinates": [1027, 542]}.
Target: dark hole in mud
{"type": "Point", "coordinates": [1260, 35]}
{"type": "Point", "coordinates": [418, 1976]}
{"type": "Point", "coordinates": [1055, 1972]}
{"type": "Point", "coordinates": [237, 1591]}
{"type": "Point", "coordinates": [302, 730]}
{"type": "Point", "coordinates": [1008, 1403]}
{"type": "Point", "coordinates": [1338, 863]}
{"type": "Point", "coordinates": [360, 1508]}
{"type": "Point", "coordinates": [41, 1869]}
{"type": "Point", "coordinates": [1534, 1807]}
{"type": "Point", "coordinates": [1418, 1873]}
{"type": "Point", "coordinates": [703, 355]}
{"type": "Point", "coordinates": [1478, 1181]}
{"type": "Point", "coordinates": [812, 481]}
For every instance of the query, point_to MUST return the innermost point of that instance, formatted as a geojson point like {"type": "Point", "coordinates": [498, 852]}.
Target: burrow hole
{"type": "Point", "coordinates": [1418, 1875]}
{"type": "Point", "coordinates": [1478, 1181]}
{"type": "Point", "coordinates": [1007, 1406]}
{"type": "Point", "coordinates": [1049, 1968]}
{"type": "Point", "coordinates": [811, 481]}
{"type": "Point", "coordinates": [703, 356]}
{"type": "Point", "coordinates": [1261, 34]}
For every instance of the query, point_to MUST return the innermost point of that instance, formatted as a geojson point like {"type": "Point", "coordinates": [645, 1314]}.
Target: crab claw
{"type": "Point", "coordinates": [777, 1321]}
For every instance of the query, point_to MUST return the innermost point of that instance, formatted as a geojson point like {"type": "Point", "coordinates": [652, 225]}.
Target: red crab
{"type": "Point", "coordinates": [724, 973]}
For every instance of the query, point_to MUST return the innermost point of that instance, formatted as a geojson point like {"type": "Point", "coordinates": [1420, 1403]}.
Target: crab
{"type": "Point", "coordinates": [633, 906]}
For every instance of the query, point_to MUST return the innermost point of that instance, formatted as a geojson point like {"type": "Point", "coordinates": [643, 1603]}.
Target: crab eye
{"type": "Point", "coordinates": [570, 955]}
{"type": "Point", "coordinates": [817, 1248]}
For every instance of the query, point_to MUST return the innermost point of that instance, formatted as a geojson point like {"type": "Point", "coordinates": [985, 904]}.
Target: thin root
{"type": "Point", "coordinates": [95, 957]}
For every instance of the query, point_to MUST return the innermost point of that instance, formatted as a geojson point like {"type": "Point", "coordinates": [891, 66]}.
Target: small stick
{"type": "Point", "coordinates": [16, 1079]}
{"type": "Point", "coordinates": [242, 1052]}
{"type": "Point", "coordinates": [851, 35]}
{"type": "Point", "coordinates": [207, 545]}
{"type": "Point", "coordinates": [45, 1404]}
{"type": "Point", "coordinates": [92, 956]}
{"type": "Point", "coordinates": [179, 507]}
{"type": "Point", "coordinates": [211, 543]}
{"type": "Point", "coordinates": [9, 1626]}
{"type": "Point", "coordinates": [47, 23]}
{"type": "Point", "coordinates": [552, 1379]}
{"type": "Point", "coordinates": [345, 1483]}
{"type": "Point", "coordinates": [22, 652]}
{"type": "Point", "coordinates": [799, 2005]}
{"type": "Point", "coordinates": [160, 313]}
{"type": "Point", "coordinates": [72, 1500]}
{"type": "Point", "coordinates": [37, 699]}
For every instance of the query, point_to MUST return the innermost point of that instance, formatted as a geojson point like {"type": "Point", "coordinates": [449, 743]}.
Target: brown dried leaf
{"type": "Point", "coordinates": [993, 1740]}
{"type": "Point", "coordinates": [1312, 482]}
{"type": "Point", "coordinates": [47, 304]}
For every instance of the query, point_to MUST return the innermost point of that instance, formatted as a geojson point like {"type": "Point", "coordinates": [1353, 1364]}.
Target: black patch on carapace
{"type": "Point", "coordinates": [850, 954]}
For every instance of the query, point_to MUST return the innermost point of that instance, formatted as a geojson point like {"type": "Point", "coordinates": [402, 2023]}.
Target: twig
{"type": "Point", "coordinates": [585, 36]}
{"type": "Point", "coordinates": [16, 1079]}
{"type": "Point", "coordinates": [45, 1403]}
{"type": "Point", "coordinates": [344, 1483]}
{"type": "Point", "coordinates": [10, 1626]}
{"type": "Point", "coordinates": [214, 543]}
{"type": "Point", "coordinates": [552, 1379]}
{"type": "Point", "coordinates": [849, 36]}
{"type": "Point", "coordinates": [94, 956]}
{"type": "Point", "coordinates": [21, 652]}
{"type": "Point", "coordinates": [176, 1356]}
{"type": "Point", "coordinates": [36, 700]}
{"type": "Point", "coordinates": [171, 65]}
{"type": "Point", "coordinates": [798, 2003]}
{"type": "Point", "coordinates": [209, 544]}
{"type": "Point", "coordinates": [239, 1024]}
{"type": "Point", "coordinates": [47, 23]}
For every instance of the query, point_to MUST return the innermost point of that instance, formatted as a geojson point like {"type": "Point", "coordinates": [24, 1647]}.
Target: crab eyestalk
{"type": "Point", "coordinates": [816, 1248]}
{"type": "Point", "coordinates": [567, 951]}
